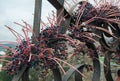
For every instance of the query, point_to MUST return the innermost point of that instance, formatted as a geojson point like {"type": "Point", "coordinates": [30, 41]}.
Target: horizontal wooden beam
{"type": "Point", "coordinates": [57, 3]}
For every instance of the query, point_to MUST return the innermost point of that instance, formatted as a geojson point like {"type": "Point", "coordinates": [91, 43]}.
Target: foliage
{"type": "Point", "coordinates": [51, 48]}
{"type": "Point", "coordinates": [4, 76]}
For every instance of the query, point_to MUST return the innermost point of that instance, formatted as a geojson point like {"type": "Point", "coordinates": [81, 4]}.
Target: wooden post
{"type": "Point", "coordinates": [37, 18]}
{"type": "Point", "coordinates": [36, 30]}
{"type": "Point", "coordinates": [24, 73]}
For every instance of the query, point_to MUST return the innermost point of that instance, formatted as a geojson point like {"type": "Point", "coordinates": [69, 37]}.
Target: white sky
{"type": "Point", "coordinates": [17, 10]}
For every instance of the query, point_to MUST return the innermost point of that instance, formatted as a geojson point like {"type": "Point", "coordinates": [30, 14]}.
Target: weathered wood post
{"type": "Point", "coordinates": [37, 18]}
{"type": "Point", "coordinates": [24, 73]}
{"type": "Point", "coordinates": [36, 30]}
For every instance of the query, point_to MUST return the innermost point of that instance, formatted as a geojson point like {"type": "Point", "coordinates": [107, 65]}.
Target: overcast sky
{"type": "Point", "coordinates": [17, 10]}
